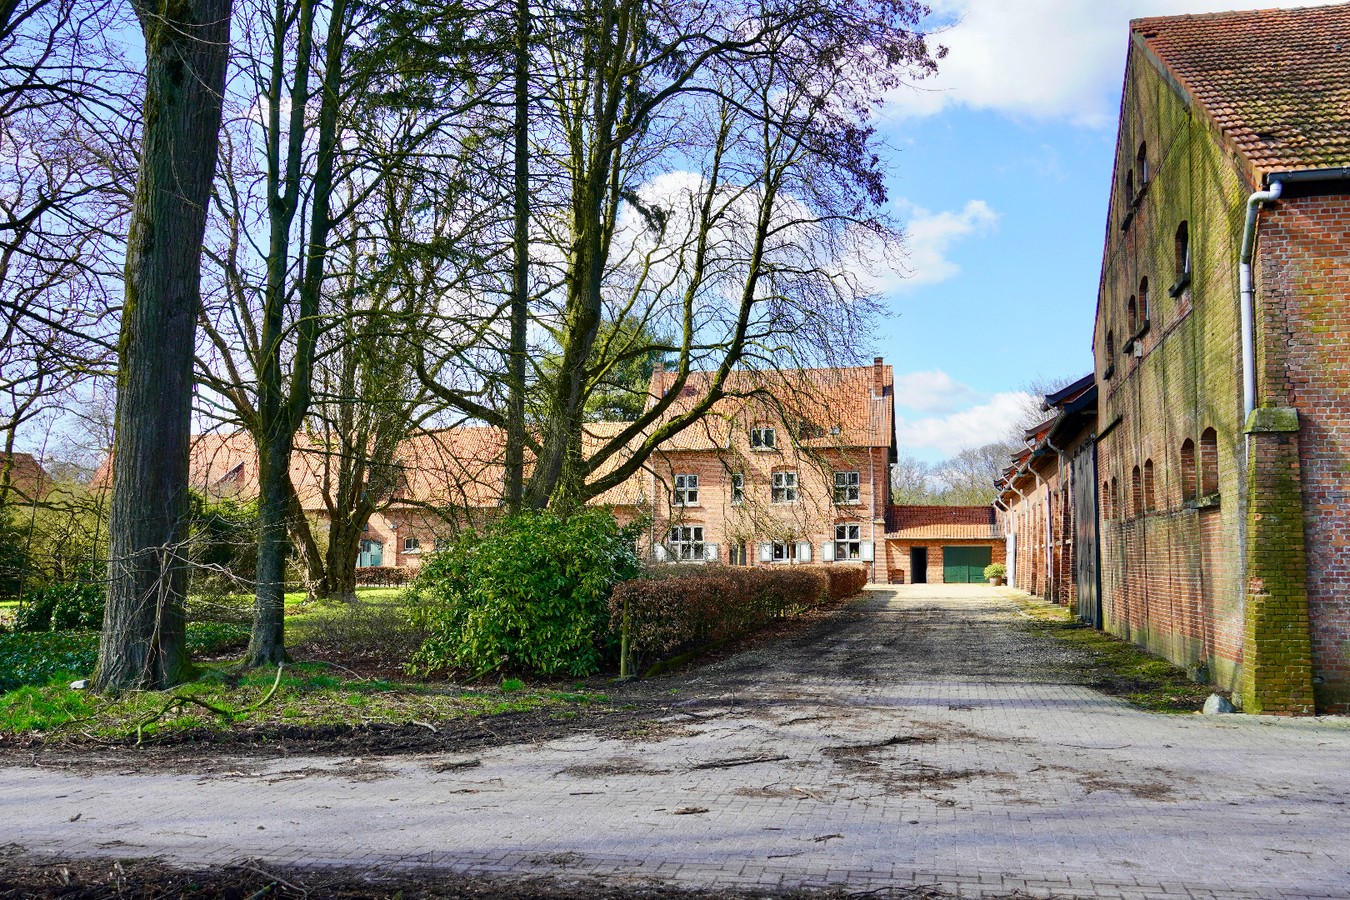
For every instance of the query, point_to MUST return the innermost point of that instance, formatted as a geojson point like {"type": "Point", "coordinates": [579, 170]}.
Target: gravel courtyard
{"type": "Point", "coordinates": [915, 737]}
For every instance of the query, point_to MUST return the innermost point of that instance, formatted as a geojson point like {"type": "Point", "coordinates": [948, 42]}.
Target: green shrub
{"type": "Point", "coordinates": [530, 593]}
{"type": "Point", "coordinates": [672, 608]}
{"type": "Point", "coordinates": [995, 570]}
{"type": "Point", "coordinates": [61, 607]}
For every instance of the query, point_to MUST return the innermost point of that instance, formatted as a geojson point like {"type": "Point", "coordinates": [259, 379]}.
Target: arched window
{"type": "Point", "coordinates": [1150, 499]}
{"type": "Point", "coordinates": [1133, 313]}
{"type": "Point", "coordinates": [1143, 301]}
{"type": "Point", "coordinates": [1209, 462]}
{"type": "Point", "coordinates": [1129, 187]}
{"type": "Point", "coordinates": [1188, 469]}
{"type": "Point", "coordinates": [1137, 492]}
{"type": "Point", "coordinates": [1183, 249]}
{"type": "Point", "coordinates": [1115, 498]}
{"type": "Point", "coordinates": [1110, 345]}
{"type": "Point", "coordinates": [1141, 165]}
{"type": "Point", "coordinates": [1106, 499]}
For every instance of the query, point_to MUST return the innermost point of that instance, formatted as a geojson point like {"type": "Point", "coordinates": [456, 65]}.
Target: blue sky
{"type": "Point", "coordinates": [1000, 168]}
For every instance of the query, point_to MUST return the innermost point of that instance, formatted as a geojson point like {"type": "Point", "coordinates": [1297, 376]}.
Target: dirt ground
{"type": "Point", "coordinates": [111, 879]}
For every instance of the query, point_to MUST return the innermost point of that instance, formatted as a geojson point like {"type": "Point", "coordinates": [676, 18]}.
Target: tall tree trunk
{"type": "Point", "coordinates": [515, 436]}
{"type": "Point", "coordinates": [187, 46]}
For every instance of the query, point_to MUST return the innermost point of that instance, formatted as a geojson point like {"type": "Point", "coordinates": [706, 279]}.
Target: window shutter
{"type": "Point", "coordinates": [710, 553]}
{"type": "Point", "coordinates": [661, 553]}
{"type": "Point", "coordinates": [827, 551]}
{"type": "Point", "coordinates": [803, 551]}
{"type": "Point", "coordinates": [867, 553]}
{"type": "Point", "coordinates": [766, 552]}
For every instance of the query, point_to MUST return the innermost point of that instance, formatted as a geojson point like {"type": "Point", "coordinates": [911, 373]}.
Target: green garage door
{"type": "Point", "coordinates": [965, 565]}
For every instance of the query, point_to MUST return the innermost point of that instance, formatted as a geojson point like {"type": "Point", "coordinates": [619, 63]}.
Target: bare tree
{"type": "Point", "coordinates": [705, 172]}
{"type": "Point", "coordinates": [187, 45]}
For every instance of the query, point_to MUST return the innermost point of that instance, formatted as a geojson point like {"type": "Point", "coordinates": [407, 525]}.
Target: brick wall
{"type": "Point", "coordinates": [898, 556]}
{"type": "Point", "coordinates": [1304, 363]}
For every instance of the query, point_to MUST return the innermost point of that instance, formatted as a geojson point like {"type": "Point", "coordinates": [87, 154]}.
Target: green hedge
{"type": "Point", "coordinates": [528, 594]}
{"type": "Point", "coordinates": [675, 607]}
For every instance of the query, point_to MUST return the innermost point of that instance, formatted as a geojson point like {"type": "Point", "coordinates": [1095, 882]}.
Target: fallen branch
{"type": "Point", "coordinates": [179, 701]}
{"type": "Point", "coordinates": [734, 761]}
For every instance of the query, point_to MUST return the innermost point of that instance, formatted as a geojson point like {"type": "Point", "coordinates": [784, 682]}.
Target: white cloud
{"type": "Point", "coordinates": [1040, 59]}
{"type": "Point", "coordinates": [932, 392]}
{"type": "Point", "coordinates": [929, 235]}
{"type": "Point", "coordinates": [973, 427]}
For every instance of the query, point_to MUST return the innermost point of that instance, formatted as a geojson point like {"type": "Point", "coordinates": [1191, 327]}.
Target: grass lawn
{"type": "Point", "coordinates": [1118, 667]}
{"type": "Point", "coordinates": [36, 671]}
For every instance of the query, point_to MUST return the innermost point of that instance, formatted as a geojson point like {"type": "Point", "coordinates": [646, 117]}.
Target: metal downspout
{"type": "Point", "coordinates": [1248, 296]}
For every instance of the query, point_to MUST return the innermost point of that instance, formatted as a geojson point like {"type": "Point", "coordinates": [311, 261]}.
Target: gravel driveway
{"type": "Point", "coordinates": [917, 736]}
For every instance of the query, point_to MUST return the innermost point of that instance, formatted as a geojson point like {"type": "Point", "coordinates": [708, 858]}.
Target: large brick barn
{"type": "Point", "coordinates": [1209, 502]}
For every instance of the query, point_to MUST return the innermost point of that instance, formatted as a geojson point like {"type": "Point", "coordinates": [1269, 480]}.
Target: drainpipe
{"type": "Point", "coordinates": [1248, 296]}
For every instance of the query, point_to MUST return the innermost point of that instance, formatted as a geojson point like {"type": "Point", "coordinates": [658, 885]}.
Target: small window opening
{"type": "Point", "coordinates": [1115, 498]}
{"type": "Point", "coordinates": [1183, 249]}
{"type": "Point", "coordinates": [1143, 301]}
{"type": "Point", "coordinates": [784, 487]}
{"type": "Point", "coordinates": [1209, 462]}
{"type": "Point", "coordinates": [737, 487]}
{"type": "Point", "coordinates": [1188, 469]}
{"type": "Point", "coordinates": [1141, 165]}
{"type": "Point", "coordinates": [1150, 499]}
{"type": "Point", "coordinates": [1110, 345]}
{"type": "Point", "coordinates": [1137, 492]}
{"type": "Point", "coordinates": [1106, 499]}
{"type": "Point", "coordinates": [1129, 187]}
{"type": "Point", "coordinates": [846, 487]}
{"type": "Point", "coordinates": [763, 438]}
{"type": "Point", "coordinates": [1133, 314]}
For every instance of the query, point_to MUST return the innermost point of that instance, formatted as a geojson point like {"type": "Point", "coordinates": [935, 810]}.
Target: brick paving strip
{"type": "Point", "coordinates": [920, 738]}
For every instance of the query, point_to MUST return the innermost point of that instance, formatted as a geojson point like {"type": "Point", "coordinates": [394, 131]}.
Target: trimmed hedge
{"type": "Point", "coordinates": [384, 576]}
{"type": "Point", "coordinates": [672, 608]}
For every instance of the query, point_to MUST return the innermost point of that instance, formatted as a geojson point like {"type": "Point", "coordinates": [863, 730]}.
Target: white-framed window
{"type": "Point", "coordinates": [784, 551]}
{"type": "Point", "coordinates": [846, 487]}
{"type": "Point", "coordinates": [763, 437]}
{"type": "Point", "coordinates": [737, 487]}
{"type": "Point", "coordinates": [411, 545]}
{"type": "Point", "coordinates": [847, 542]}
{"type": "Point", "coordinates": [686, 490]}
{"type": "Point", "coordinates": [686, 543]}
{"type": "Point", "coordinates": [738, 556]}
{"type": "Point", "coordinates": [784, 487]}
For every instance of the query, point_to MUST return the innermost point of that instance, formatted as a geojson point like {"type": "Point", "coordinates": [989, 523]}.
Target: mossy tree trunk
{"type": "Point", "coordinates": [143, 640]}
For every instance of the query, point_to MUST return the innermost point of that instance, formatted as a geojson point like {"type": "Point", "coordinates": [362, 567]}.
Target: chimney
{"type": "Point", "coordinates": [878, 386]}
{"type": "Point", "coordinates": [658, 370]}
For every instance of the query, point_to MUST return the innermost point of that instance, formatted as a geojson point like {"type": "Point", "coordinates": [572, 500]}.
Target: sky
{"type": "Point", "coordinates": [1000, 170]}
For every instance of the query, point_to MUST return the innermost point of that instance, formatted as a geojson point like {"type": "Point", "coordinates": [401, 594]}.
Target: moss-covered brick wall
{"type": "Point", "coordinates": [1172, 571]}
{"type": "Point", "coordinates": [1303, 348]}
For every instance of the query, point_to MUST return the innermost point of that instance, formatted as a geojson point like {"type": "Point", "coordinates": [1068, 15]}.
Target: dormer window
{"type": "Point", "coordinates": [686, 491]}
{"type": "Point", "coordinates": [763, 437]}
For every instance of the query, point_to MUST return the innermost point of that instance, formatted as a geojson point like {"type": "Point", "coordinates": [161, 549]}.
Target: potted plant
{"type": "Point", "coordinates": [996, 572]}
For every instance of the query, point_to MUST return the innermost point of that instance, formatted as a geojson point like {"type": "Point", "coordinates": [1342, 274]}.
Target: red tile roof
{"type": "Point", "coordinates": [1276, 81]}
{"type": "Point", "coordinates": [841, 404]}
{"type": "Point", "coordinates": [28, 481]}
{"type": "Point", "coordinates": [942, 522]}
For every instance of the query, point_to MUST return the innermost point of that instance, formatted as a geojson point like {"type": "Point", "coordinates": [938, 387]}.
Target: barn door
{"type": "Point", "coordinates": [1087, 557]}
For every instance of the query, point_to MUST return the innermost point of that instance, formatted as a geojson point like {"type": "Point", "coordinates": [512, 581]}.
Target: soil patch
{"type": "Point", "coordinates": [111, 879]}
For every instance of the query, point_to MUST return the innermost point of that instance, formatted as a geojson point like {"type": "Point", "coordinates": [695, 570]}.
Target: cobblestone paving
{"type": "Point", "coordinates": [916, 738]}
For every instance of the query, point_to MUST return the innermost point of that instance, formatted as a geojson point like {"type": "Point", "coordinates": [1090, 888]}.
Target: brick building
{"type": "Point", "coordinates": [941, 544]}
{"type": "Point", "coordinates": [1047, 496]}
{"type": "Point", "coordinates": [1220, 342]}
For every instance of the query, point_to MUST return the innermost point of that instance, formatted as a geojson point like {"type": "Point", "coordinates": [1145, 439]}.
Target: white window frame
{"type": "Point", "coordinates": [764, 437]}
{"type": "Point", "coordinates": [784, 551]}
{"type": "Point", "coordinates": [412, 545]}
{"type": "Point", "coordinates": [686, 543]}
{"type": "Point", "coordinates": [737, 488]}
{"type": "Point", "coordinates": [849, 492]}
{"type": "Point", "coordinates": [784, 486]}
{"type": "Point", "coordinates": [847, 541]}
{"type": "Point", "coordinates": [686, 491]}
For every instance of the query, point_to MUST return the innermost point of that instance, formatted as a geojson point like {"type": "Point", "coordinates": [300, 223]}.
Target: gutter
{"type": "Point", "coordinates": [1248, 295]}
